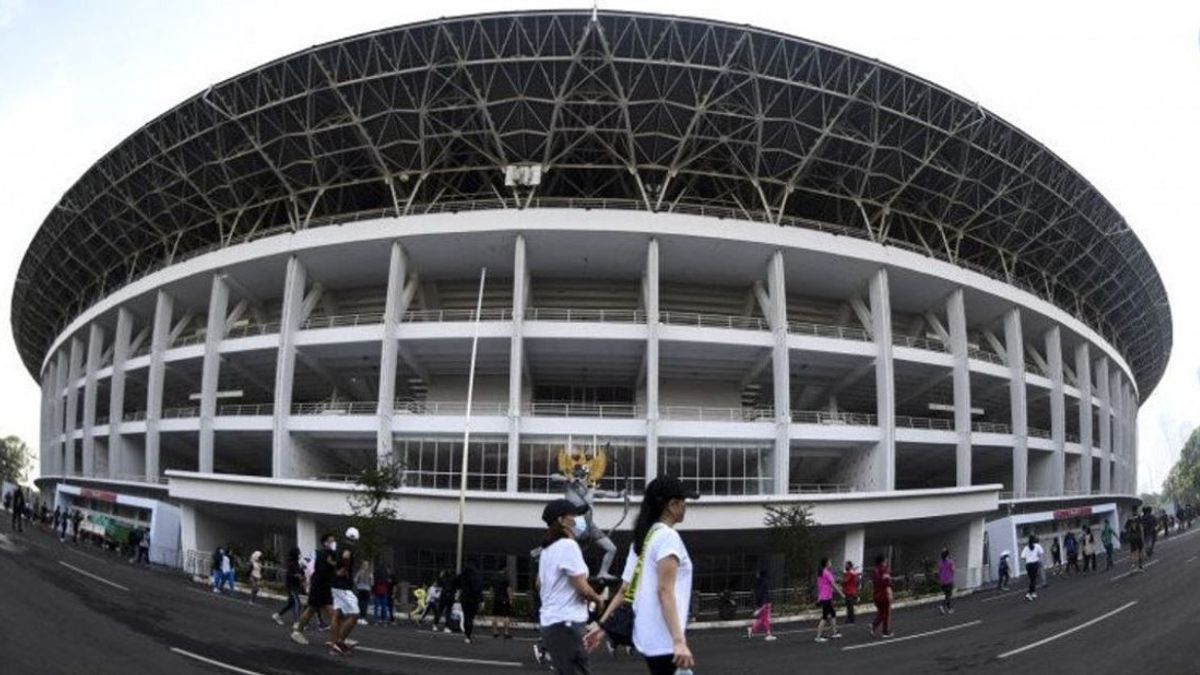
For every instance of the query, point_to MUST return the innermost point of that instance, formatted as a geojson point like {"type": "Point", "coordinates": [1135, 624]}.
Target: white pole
{"type": "Point", "coordinates": [462, 486]}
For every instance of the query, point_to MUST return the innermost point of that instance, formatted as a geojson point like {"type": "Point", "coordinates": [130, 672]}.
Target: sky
{"type": "Point", "coordinates": [1111, 87]}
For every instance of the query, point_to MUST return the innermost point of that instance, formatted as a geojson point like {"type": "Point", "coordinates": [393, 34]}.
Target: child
{"type": "Point", "coordinates": [826, 587]}
{"type": "Point", "coordinates": [946, 580]}
{"type": "Point", "coordinates": [762, 616]}
{"type": "Point", "coordinates": [421, 597]}
{"type": "Point", "coordinates": [1004, 572]}
{"type": "Point", "coordinates": [850, 590]}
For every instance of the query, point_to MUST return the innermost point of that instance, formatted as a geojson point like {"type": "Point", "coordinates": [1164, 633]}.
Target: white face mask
{"type": "Point", "coordinates": [332, 546]}
{"type": "Point", "coordinates": [581, 527]}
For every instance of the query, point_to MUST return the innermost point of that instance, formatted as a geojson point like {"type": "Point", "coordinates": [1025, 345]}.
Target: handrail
{"type": "Point", "coordinates": [252, 329]}
{"type": "Point", "coordinates": [991, 428]}
{"type": "Point", "coordinates": [828, 330]}
{"type": "Point", "coordinates": [602, 410]}
{"type": "Point", "coordinates": [982, 355]}
{"type": "Point", "coordinates": [819, 488]}
{"type": "Point", "coordinates": [830, 417]}
{"type": "Point", "coordinates": [180, 412]}
{"type": "Point", "coordinates": [135, 416]}
{"type": "Point", "coordinates": [674, 318]}
{"type": "Point", "coordinates": [934, 423]}
{"type": "Point", "coordinates": [714, 414]}
{"type": "Point", "coordinates": [585, 315]}
{"type": "Point", "coordinates": [1039, 433]}
{"type": "Point", "coordinates": [343, 320]}
{"type": "Point", "coordinates": [448, 408]}
{"type": "Point", "coordinates": [196, 338]}
{"type": "Point", "coordinates": [919, 343]}
{"type": "Point", "coordinates": [335, 408]}
{"type": "Point", "coordinates": [443, 315]}
{"type": "Point", "coordinates": [245, 409]}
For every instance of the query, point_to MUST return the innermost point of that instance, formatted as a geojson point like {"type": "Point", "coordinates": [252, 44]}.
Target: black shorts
{"type": "Point", "coordinates": [502, 608]}
{"type": "Point", "coordinates": [1135, 545]}
{"type": "Point", "coordinates": [320, 597]}
{"type": "Point", "coordinates": [827, 610]}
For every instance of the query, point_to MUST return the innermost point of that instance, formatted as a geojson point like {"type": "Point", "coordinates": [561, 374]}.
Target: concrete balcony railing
{"type": "Point", "coordinates": [343, 320]}
{"type": "Point", "coordinates": [714, 414]}
{"type": "Point", "coordinates": [1039, 433]}
{"type": "Point", "coordinates": [932, 423]}
{"type": "Point", "coordinates": [919, 343]}
{"type": "Point", "coordinates": [449, 408]}
{"type": "Point", "coordinates": [196, 338]}
{"type": "Point", "coordinates": [977, 353]}
{"type": "Point", "coordinates": [134, 416]}
{"type": "Point", "coordinates": [252, 329]}
{"type": "Point", "coordinates": [245, 409]}
{"type": "Point", "coordinates": [991, 428]}
{"type": "Point", "coordinates": [443, 315]}
{"type": "Point", "coordinates": [336, 408]}
{"type": "Point", "coordinates": [600, 410]}
{"type": "Point", "coordinates": [180, 412]}
{"type": "Point", "coordinates": [829, 417]}
{"type": "Point", "coordinates": [829, 331]}
{"type": "Point", "coordinates": [697, 319]}
{"type": "Point", "coordinates": [585, 315]}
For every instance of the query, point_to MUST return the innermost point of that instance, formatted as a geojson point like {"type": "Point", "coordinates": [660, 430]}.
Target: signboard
{"type": "Point", "coordinates": [1077, 512]}
{"type": "Point", "coordinates": [98, 495]}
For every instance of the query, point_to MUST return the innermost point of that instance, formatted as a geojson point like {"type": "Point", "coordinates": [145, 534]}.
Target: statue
{"type": "Point", "coordinates": [581, 474]}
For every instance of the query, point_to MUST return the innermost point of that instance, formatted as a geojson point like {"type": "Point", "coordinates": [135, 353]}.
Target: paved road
{"type": "Point", "coordinates": [71, 609]}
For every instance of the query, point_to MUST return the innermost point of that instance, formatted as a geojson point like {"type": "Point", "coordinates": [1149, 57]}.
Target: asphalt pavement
{"type": "Point", "coordinates": [74, 609]}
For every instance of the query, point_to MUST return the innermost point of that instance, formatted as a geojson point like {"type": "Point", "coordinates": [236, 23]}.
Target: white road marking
{"type": "Point", "coordinates": [1001, 595]}
{"type": "Point", "coordinates": [889, 641]}
{"type": "Point", "coordinates": [1192, 559]}
{"type": "Point", "coordinates": [214, 662]}
{"type": "Point", "coordinates": [93, 576]}
{"type": "Point", "coordinates": [1122, 575]}
{"type": "Point", "coordinates": [447, 659]}
{"type": "Point", "coordinates": [1067, 632]}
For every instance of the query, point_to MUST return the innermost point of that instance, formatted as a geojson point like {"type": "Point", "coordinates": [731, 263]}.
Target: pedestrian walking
{"type": "Point", "coordinates": [1149, 531]}
{"type": "Point", "coordinates": [1056, 556]}
{"type": "Point", "coordinates": [344, 599]}
{"type": "Point", "coordinates": [1088, 545]}
{"type": "Point", "coordinates": [363, 581]}
{"type": "Point", "coordinates": [1032, 556]}
{"type": "Point", "coordinates": [293, 581]}
{"type": "Point", "coordinates": [76, 518]}
{"type": "Point", "coordinates": [563, 588]}
{"type": "Point", "coordinates": [762, 615]}
{"type": "Point", "coordinates": [432, 599]}
{"type": "Point", "coordinates": [826, 587]}
{"type": "Point", "coordinates": [62, 523]}
{"type": "Point", "coordinates": [393, 583]}
{"type": "Point", "coordinates": [1106, 539]}
{"type": "Point", "coordinates": [226, 576]}
{"type": "Point", "coordinates": [881, 595]}
{"type": "Point", "coordinates": [501, 605]}
{"type": "Point", "coordinates": [379, 596]}
{"type": "Point", "coordinates": [143, 555]}
{"type": "Point", "coordinates": [1005, 571]}
{"type": "Point", "coordinates": [214, 570]}
{"type": "Point", "coordinates": [1071, 546]}
{"type": "Point", "coordinates": [470, 596]}
{"type": "Point", "coordinates": [18, 510]}
{"type": "Point", "coordinates": [658, 575]}
{"type": "Point", "coordinates": [850, 590]}
{"type": "Point", "coordinates": [421, 596]}
{"type": "Point", "coordinates": [447, 602]}
{"type": "Point", "coordinates": [256, 570]}
{"type": "Point", "coordinates": [1133, 536]}
{"type": "Point", "coordinates": [946, 581]}
{"type": "Point", "coordinates": [320, 589]}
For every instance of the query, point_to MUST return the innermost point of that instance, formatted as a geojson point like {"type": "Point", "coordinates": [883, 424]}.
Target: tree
{"type": "Point", "coordinates": [789, 532]}
{"type": "Point", "coordinates": [1183, 482]}
{"type": "Point", "coordinates": [373, 504]}
{"type": "Point", "coordinates": [16, 459]}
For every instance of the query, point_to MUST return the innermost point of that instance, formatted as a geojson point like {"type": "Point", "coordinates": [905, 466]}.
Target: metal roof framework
{"type": "Point", "coordinates": [619, 110]}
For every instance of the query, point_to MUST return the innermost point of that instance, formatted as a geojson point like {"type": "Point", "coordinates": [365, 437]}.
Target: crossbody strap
{"type": "Point", "coordinates": [637, 570]}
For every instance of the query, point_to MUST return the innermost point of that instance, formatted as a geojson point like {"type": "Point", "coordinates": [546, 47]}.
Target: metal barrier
{"type": "Point", "coordinates": [934, 423]}
{"type": "Point", "coordinates": [830, 417]}
{"type": "Point", "coordinates": [180, 412]}
{"type": "Point", "coordinates": [442, 315]}
{"type": "Point", "coordinates": [713, 414]}
{"type": "Point", "coordinates": [343, 320]}
{"type": "Point", "coordinates": [713, 320]}
{"type": "Point", "coordinates": [829, 331]}
{"type": "Point", "coordinates": [252, 329]}
{"type": "Point", "coordinates": [448, 408]}
{"type": "Point", "coordinates": [336, 408]}
{"type": "Point", "coordinates": [991, 428]}
{"type": "Point", "coordinates": [585, 315]}
{"type": "Point", "coordinates": [245, 409]}
{"type": "Point", "coordinates": [601, 410]}
{"type": "Point", "coordinates": [977, 353]}
{"type": "Point", "coordinates": [919, 343]}
{"type": "Point", "coordinates": [818, 488]}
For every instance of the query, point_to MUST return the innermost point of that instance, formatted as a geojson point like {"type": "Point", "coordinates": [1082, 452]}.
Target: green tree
{"type": "Point", "coordinates": [374, 505]}
{"type": "Point", "coordinates": [1183, 482]}
{"type": "Point", "coordinates": [789, 532]}
{"type": "Point", "coordinates": [16, 459]}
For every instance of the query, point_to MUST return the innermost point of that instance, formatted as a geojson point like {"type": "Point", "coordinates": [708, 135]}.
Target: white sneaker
{"type": "Point", "coordinates": [941, 609]}
{"type": "Point", "coordinates": [362, 622]}
{"type": "Point", "coordinates": [350, 643]}
{"type": "Point", "coordinates": [770, 638]}
{"type": "Point", "coordinates": [835, 636]}
{"type": "Point", "coordinates": [446, 630]}
{"type": "Point", "coordinates": [749, 632]}
{"type": "Point", "coordinates": [299, 638]}
{"type": "Point", "coordinates": [277, 620]}
{"type": "Point", "coordinates": [1035, 596]}
{"type": "Point", "coordinates": [821, 639]}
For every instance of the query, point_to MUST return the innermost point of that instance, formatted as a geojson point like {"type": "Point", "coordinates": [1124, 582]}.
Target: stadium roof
{"type": "Point", "coordinates": [621, 110]}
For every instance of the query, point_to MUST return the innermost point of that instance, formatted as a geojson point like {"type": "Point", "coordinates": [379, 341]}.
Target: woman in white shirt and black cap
{"type": "Point", "coordinates": [659, 570]}
{"type": "Point", "coordinates": [563, 588]}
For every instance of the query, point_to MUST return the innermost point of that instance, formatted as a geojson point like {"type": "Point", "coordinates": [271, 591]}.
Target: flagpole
{"type": "Point", "coordinates": [462, 486]}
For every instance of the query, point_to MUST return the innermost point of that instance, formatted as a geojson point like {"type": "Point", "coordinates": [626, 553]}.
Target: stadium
{"type": "Point", "coordinates": [784, 272]}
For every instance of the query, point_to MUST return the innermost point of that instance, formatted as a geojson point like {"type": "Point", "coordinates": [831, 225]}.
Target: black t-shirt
{"type": "Point", "coordinates": [324, 565]}
{"type": "Point", "coordinates": [500, 588]}
{"type": "Point", "coordinates": [344, 578]}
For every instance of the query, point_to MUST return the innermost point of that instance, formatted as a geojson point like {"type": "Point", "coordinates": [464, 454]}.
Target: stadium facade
{"type": "Point", "coordinates": [782, 271]}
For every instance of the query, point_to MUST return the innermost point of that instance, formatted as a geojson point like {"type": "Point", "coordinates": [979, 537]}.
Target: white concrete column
{"type": "Point", "coordinates": [516, 362]}
{"type": "Point", "coordinates": [956, 317]}
{"type": "Point", "coordinates": [967, 551]}
{"type": "Point", "coordinates": [160, 338]}
{"type": "Point", "coordinates": [782, 372]}
{"type": "Point", "coordinates": [1083, 377]}
{"type": "Point", "coordinates": [187, 533]}
{"type": "Point", "coordinates": [885, 382]}
{"type": "Point", "coordinates": [1133, 440]}
{"type": "Point", "coordinates": [854, 548]}
{"type": "Point", "coordinates": [285, 367]}
{"type": "Point", "coordinates": [94, 348]}
{"type": "Point", "coordinates": [1105, 395]}
{"type": "Point", "coordinates": [306, 534]}
{"type": "Point", "coordinates": [43, 448]}
{"type": "Point", "coordinates": [210, 378]}
{"type": "Point", "coordinates": [1015, 348]}
{"type": "Point", "coordinates": [651, 301]}
{"type": "Point", "coordinates": [1118, 430]}
{"type": "Point", "coordinates": [116, 393]}
{"type": "Point", "coordinates": [389, 351]}
{"type": "Point", "coordinates": [74, 372]}
{"type": "Point", "coordinates": [60, 412]}
{"type": "Point", "coordinates": [1058, 411]}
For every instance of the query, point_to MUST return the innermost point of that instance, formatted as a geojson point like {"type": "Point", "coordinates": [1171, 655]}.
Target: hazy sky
{"type": "Point", "coordinates": [1112, 87]}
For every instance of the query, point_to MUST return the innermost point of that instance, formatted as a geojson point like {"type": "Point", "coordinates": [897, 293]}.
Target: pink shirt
{"type": "Point", "coordinates": [825, 585]}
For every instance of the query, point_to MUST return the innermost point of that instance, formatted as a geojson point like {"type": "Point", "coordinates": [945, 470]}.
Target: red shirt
{"type": "Point", "coordinates": [881, 581]}
{"type": "Point", "coordinates": [850, 584]}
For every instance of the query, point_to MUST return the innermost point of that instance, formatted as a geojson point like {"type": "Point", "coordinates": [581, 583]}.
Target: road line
{"type": "Point", "coordinates": [1192, 559]}
{"type": "Point", "coordinates": [1001, 595]}
{"type": "Point", "coordinates": [214, 662]}
{"type": "Point", "coordinates": [1067, 632]}
{"type": "Point", "coordinates": [93, 576]}
{"type": "Point", "coordinates": [888, 641]}
{"type": "Point", "coordinates": [1122, 575]}
{"type": "Point", "coordinates": [447, 659]}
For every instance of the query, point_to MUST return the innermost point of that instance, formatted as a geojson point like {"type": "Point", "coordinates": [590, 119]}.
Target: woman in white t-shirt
{"type": "Point", "coordinates": [1032, 556]}
{"type": "Point", "coordinates": [663, 587]}
{"type": "Point", "coordinates": [563, 588]}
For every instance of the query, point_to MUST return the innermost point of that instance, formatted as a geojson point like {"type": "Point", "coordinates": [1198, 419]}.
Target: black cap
{"type": "Point", "coordinates": [562, 507]}
{"type": "Point", "coordinates": [669, 487]}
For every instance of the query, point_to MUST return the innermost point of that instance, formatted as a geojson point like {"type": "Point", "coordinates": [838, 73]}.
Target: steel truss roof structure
{"type": "Point", "coordinates": [618, 110]}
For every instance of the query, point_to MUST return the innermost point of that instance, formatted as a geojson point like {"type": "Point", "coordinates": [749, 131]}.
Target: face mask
{"type": "Point", "coordinates": [581, 527]}
{"type": "Point", "coordinates": [332, 546]}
